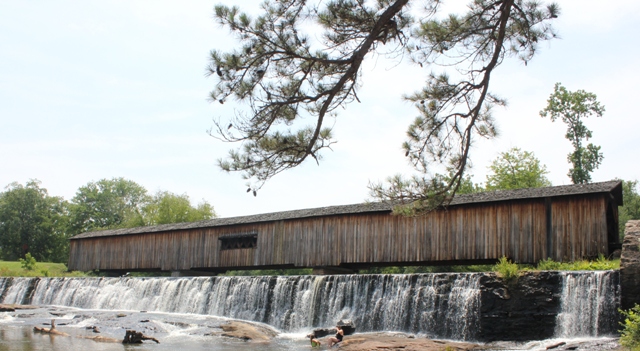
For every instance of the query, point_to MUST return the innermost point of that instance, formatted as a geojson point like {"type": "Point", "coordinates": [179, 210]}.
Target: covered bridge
{"type": "Point", "coordinates": [563, 223]}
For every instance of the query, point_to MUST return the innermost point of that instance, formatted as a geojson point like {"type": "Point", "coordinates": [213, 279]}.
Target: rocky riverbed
{"type": "Point", "coordinates": [103, 330]}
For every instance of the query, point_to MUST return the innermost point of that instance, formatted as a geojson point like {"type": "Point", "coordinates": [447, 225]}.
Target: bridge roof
{"type": "Point", "coordinates": [614, 187]}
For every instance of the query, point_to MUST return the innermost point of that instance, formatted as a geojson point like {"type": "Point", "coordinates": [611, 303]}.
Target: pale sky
{"type": "Point", "coordinates": [103, 89]}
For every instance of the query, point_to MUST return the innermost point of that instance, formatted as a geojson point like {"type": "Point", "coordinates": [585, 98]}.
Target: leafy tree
{"type": "Point", "coordinates": [285, 77]}
{"type": "Point", "coordinates": [32, 222]}
{"type": "Point", "coordinates": [516, 169]}
{"type": "Point", "coordinates": [166, 207]}
{"type": "Point", "coordinates": [572, 108]}
{"type": "Point", "coordinates": [631, 207]}
{"type": "Point", "coordinates": [467, 186]}
{"type": "Point", "coordinates": [107, 203]}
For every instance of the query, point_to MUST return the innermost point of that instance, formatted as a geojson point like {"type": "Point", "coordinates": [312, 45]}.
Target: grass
{"type": "Point", "coordinates": [42, 269]}
{"type": "Point", "coordinates": [599, 264]}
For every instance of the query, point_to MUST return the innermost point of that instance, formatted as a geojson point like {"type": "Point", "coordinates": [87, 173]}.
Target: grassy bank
{"type": "Point", "coordinates": [42, 269]}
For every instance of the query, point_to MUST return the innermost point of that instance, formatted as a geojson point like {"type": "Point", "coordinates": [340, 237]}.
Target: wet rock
{"type": "Point", "coordinates": [100, 338]}
{"type": "Point", "coordinates": [178, 324]}
{"type": "Point", "coordinates": [347, 326]}
{"type": "Point", "coordinates": [248, 331]}
{"type": "Point", "coordinates": [519, 312]}
{"type": "Point", "coordinates": [14, 307]}
{"type": "Point", "coordinates": [400, 341]}
{"type": "Point", "coordinates": [555, 346]}
{"type": "Point", "coordinates": [52, 330]}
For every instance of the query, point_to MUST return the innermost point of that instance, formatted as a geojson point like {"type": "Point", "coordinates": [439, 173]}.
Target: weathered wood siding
{"type": "Point", "coordinates": [580, 227]}
{"type": "Point", "coordinates": [527, 231]}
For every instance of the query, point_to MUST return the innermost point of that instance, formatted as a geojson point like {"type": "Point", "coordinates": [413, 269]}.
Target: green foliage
{"type": "Point", "coordinates": [285, 75]}
{"type": "Point", "coordinates": [28, 262]}
{"type": "Point", "coordinates": [33, 222]}
{"type": "Point", "coordinates": [630, 333]}
{"type": "Point", "coordinates": [549, 265]}
{"type": "Point", "coordinates": [106, 204]}
{"type": "Point", "coordinates": [631, 207]}
{"type": "Point", "coordinates": [165, 207]}
{"type": "Point", "coordinates": [572, 108]}
{"type": "Point", "coordinates": [600, 264]}
{"type": "Point", "coordinates": [121, 203]}
{"type": "Point", "coordinates": [507, 270]}
{"type": "Point", "coordinates": [516, 169]}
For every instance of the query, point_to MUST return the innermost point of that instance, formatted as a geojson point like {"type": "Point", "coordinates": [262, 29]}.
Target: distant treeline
{"type": "Point", "coordinates": [32, 221]}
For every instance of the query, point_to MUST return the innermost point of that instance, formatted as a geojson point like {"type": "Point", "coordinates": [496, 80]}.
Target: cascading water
{"type": "Point", "coordinates": [438, 305]}
{"type": "Point", "coordinates": [588, 304]}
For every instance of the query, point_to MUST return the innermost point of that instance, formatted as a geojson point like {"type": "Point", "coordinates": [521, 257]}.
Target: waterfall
{"type": "Point", "coordinates": [437, 305]}
{"type": "Point", "coordinates": [443, 305]}
{"type": "Point", "coordinates": [589, 304]}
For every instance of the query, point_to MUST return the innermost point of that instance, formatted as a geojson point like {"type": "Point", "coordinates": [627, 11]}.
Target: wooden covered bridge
{"type": "Point", "coordinates": [563, 223]}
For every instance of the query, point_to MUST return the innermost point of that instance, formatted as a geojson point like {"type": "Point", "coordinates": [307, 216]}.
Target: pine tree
{"type": "Point", "coordinates": [284, 75]}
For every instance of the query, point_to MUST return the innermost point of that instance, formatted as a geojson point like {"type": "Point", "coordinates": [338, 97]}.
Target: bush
{"type": "Point", "coordinates": [630, 334]}
{"type": "Point", "coordinates": [506, 269]}
{"type": "Point", "coordinates": [28, 263]}
{"type": "Point", "coordinates": [549, 265]}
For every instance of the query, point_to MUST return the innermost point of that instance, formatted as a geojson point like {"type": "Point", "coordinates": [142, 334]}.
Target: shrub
{"type": "Point", "coordinates": [28, 263]}
{"type": "Point", "coordinates": [630, 333]}
{"type": "Point", "coordinates": [506, 269]}
{"type": "Point", "coordinates": [549, 265]}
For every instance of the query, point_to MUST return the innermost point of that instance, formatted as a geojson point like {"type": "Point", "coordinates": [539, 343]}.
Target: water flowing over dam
{"type": "Point", "coordinates": [443, 305]}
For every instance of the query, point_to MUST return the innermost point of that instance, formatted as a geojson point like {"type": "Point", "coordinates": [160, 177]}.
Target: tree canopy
{"type": "Point", "coordinates": [516, 169]}
{"type": "Point", "coordinates": [105, 204]}
{"type": "Point", "coordinates": [166, 207]}
{"type": "Point", "coordinates": [122, 203]}
{"type": "Point", "coordinates": [572, 108]}
{"type": "Point", "coordinates": [300, 61]}
{"type": "Point", "coordinates": [32, 221]}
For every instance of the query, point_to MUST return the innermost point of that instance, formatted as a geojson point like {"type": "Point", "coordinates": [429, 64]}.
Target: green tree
{"type": "Point", "coordinates": [631, 208]}
{"type": "Point", "coordinates": [286, 77]}
{"type": "Point", "coordinates": [32, 222]}
{"type": "Point", "coordinates": [516, 169]}
{"type": "Point", "coordinates": [166, 207]}
{"type": "Point", "coordinates": [572, 108]}
{"type": "Point", "coordinates": [107, 203]}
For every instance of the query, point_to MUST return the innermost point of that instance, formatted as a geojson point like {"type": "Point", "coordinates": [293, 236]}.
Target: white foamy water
{"type": "Point", "coordinates": [588, 304]}
{"type": "Point", "coordinates": [439, 305]}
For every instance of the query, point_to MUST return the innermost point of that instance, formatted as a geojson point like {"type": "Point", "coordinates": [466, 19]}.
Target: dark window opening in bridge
{"type": "Point", "coordinates": [238, 241]}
